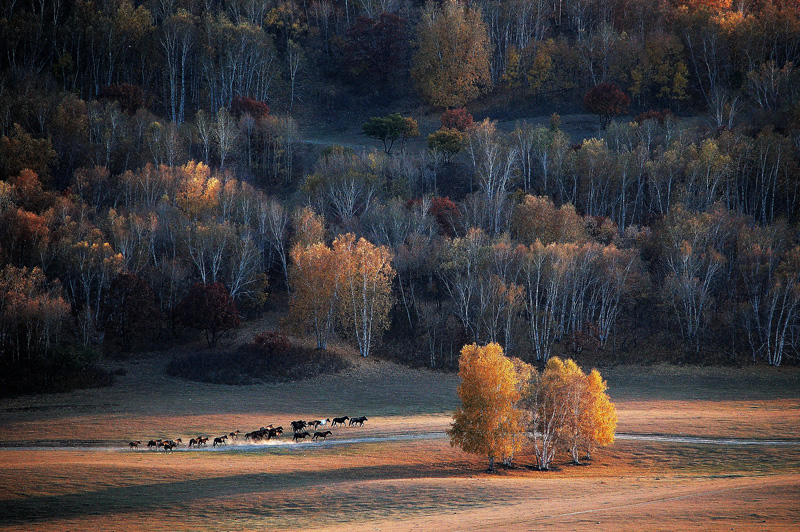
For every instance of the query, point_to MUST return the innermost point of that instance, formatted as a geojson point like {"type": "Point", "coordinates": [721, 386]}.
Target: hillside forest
{"type": "Point", "coordinates": [171, 170]}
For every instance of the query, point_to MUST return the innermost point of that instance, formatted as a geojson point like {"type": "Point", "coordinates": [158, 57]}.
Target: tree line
{"type": "Point", "coordinates": [498, 266]}
{"type": "Point", "coordinates": [151, 164]}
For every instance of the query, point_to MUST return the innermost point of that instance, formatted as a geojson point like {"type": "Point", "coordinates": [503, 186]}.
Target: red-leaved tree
{"type": "Point", "coordinates": [606, 100]}
{"type": "Point", "coordinates": [242, 105]}
{"type": "Point", "coordinates": [209, 308]}
{"type": "Point", "coordinates": [458, 119]}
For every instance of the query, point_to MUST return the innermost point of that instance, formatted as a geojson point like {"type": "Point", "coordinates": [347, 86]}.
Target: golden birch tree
{"type": "Point", "coordinates": [488, 421]}
{"type": "Point", "coordinates": [366, 291]}
{"type": "Point", "coordinates": [315, 280]}
{"type": "Point", "coordinates": [309, 227]}
{"type": "Point", "coordinates": [600, 414]}
{"type": "Point", "coordinates": [569, 408]}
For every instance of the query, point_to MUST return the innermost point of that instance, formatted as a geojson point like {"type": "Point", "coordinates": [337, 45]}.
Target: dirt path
{"type": "Point", "coordinates": [303, 446]}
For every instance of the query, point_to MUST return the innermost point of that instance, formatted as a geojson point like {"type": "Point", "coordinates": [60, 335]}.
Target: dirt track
{"type": "Point", "coordinates": [286, 444]}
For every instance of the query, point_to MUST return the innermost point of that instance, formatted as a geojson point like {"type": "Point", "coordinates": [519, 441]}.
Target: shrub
{"type": "Point", "coordinates": [269, 357]}
{"type": "Point", "coordinates": [458, 119]}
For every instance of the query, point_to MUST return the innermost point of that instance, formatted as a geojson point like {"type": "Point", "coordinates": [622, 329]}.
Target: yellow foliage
{"type": "Point", "coordinates": [488, 421]}
{"type": "Point", "coordinates": [367, 294]}
{"type": "Point", "coordinates": [451, 66]}
{"type": "Point", "coordinates": [309, 227]}
{"type": "Point", "coordinates": [198, 191]}
{"type": "Point", "coordinates": [569, 408]}
{"type": "Point", "coordinates": [541, 69]}
{"type": "Point", "coordinates": [314, 281]}
{"type": "Point", "coordinates": [511, 74]}
{"type": "Point", "coordinates": [537, 218]}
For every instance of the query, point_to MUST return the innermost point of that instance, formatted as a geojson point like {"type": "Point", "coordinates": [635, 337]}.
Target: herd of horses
{"type": "Point", "coordinates": [269, 432]}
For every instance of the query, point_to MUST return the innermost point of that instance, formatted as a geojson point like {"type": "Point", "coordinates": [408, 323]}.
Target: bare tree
{"type": "Point", "coordinates": [226, 133]}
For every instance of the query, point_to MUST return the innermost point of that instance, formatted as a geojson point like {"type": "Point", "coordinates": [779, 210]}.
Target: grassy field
{"type": "Point", "coordinates": [64, 464]}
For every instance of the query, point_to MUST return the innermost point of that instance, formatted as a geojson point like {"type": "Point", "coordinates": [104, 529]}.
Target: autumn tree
{"type": "Point", "coordinates": [128, 310]}
{"type": "Point", "coordinates": [20, 150]}
{"type": "Point", "coordinates": [446, 142]}
{"type": "Point", "coordinates": [315, 279]}
{"type": "Point", "coordinates": [451, 64]}
{"type": "Point", "coordinates": [591, 416]}
{"type": "Point", "coordinates": [366, 289]}
{"type": "Point", "coordinates": [694, 262]}
{"type": "Point", "coordinates": [389, 129]}
{"type": "Point", "coordinates": [211, 309]}
{"type": "Point", "coordinates": [606, 100]}
{"type": "Point", "coordinates": [309, 227]}
{"type": "Point", "coordinates": [599, 419]}
{"type": "Point", "coordinates": [537, 218]}
{"type": "Point", "coordinates": [458, 119]}
{"type": "Point", "coordinates": [33, 315]}
{"type": "Point", "coordinates": [769, 276]}
{"type": "Point", "coordinates": [488, 422]}
{"type": "Point", "coordinates": [569, 408]}
{"type": "Point", "coordinates": [242, 105]}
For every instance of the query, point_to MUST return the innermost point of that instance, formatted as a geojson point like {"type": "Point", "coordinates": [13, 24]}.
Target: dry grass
{"type": "Point", "coordinates": [395, 485]}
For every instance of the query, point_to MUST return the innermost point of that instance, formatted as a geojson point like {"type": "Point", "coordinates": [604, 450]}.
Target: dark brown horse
{"type": "Point", "coordinates": [300, 436]}
{"type": "Point", "coordinates": [339, 421]}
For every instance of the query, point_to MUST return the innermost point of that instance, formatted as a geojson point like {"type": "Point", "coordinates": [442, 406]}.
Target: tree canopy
{"type": "Point", "coordinates": [488, 422]}
{"type": "Point", "coordinates": [451, 63]}
{"type": "Point", "coordinates": [389, 129]}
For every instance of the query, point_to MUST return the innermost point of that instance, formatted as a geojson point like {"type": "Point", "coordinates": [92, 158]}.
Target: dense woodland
{"type": "Point", "coordinates": [154, 178]}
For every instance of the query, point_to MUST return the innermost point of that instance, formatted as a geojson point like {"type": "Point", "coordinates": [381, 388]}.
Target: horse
{"type": "Point", "coordinates": [319, 423]}
{"type": "Point", "coordinates": [134, 444]}
{"type": "Point", "coordinates": [168, 446]}
{"type": "Point", "coordinates": [357, 421]}
{"type": "Point", "coordinates": [234, 435]}
{"type": "Point", "coordinates": [202, 440]}
{"type": "Point", "coordinates": [298, 425]}
{"type": "Point", "coordinates": [153, 443]}
{"type": "Point", "coordinates": [300, 436]}
{"type": "Point", "coordinates": [219, 441]}
{"type": "Point", "coordinates": [339, 421]}
{"type": "Point", "coordinates": [323, 435]}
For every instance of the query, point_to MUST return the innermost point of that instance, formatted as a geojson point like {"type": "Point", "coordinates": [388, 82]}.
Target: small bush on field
{"type": "Point", "coordinates": [269, 357]}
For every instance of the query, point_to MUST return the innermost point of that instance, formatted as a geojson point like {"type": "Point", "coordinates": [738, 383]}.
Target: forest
{"type": "Point", "coordinates": [158, 189]}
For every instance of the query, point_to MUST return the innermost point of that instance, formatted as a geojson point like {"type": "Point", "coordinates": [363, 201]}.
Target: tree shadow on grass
{"type": "Point", "coordinates": [279, 495]}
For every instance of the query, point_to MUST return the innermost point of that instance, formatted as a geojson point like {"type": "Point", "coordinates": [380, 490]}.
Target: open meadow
{"type": "Point", "coordinates": [65, 465]}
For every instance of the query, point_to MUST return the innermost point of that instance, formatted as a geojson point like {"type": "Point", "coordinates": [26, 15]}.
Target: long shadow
{"type": "Point", "coordinates": [166, 495]}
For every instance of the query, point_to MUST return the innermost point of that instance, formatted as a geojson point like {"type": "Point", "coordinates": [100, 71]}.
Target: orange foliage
{"type": "Point", "coordinates": [314, 280]}
{"type": "Point", "coordinates": [309, 227]}
{"type": "Point", "coordinates": [451, 66]}
{"type": "Point", "coordinates": [537, 218]}
{"type": "Point", "coordinates": [488, 420]}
